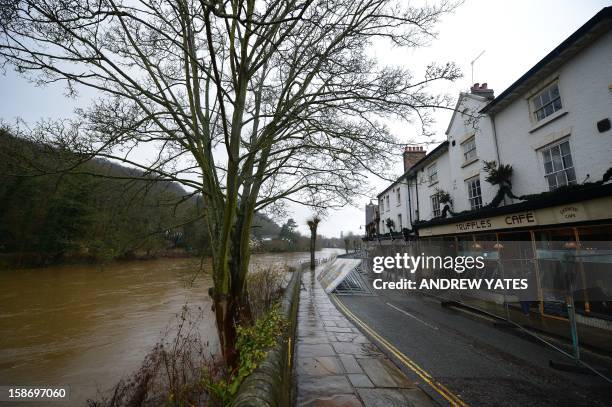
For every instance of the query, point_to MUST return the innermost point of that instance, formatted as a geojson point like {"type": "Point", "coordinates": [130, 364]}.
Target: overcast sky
{"type": "Point", "coordinates": [514, 35]}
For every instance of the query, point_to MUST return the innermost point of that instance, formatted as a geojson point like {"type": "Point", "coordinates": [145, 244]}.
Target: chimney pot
{"type": "Point", "coordinates": [412, 154]}
{"type": "Point", "coordinates": [482, 90]}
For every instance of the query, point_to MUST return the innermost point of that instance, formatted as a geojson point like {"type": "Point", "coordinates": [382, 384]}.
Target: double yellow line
{"type": "Point", "coordinates": [437, 386]}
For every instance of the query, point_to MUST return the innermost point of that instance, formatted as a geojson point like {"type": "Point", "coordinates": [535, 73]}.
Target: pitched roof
{"type": "Point", "coordinates": [435, 153]}
{"type": "Point", "coordinates": [456, 111]}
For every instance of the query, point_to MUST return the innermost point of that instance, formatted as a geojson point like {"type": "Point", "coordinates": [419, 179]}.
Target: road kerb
{"type": "Point", "coordinates": [454, 400]}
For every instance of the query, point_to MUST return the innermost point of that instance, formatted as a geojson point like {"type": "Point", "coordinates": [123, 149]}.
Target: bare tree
{"type": "Point", "coordinates": [249, 103]}
{"type": "Point", "coordinates": [313, 224]}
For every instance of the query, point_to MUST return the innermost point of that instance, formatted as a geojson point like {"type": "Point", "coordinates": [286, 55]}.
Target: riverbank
{"type": "Point", "coordinates": [37, 260]}
{"type": "Point", "coordinates": [16, 261]}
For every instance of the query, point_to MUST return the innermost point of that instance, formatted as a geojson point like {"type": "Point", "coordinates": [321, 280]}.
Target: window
{"type": "Point", "coordinates": [558, 165]}
{"type": "Point", "coordinates": [432, 173]}
{"type": "Point", "coordinates": [474, 194]}
{"type": "Point", "coordinates": [388, 204]}
{"type": "Point", "coordinates": [546, 102]}
{"type": "Point", "coordinates": [469, 150]}
{"type": "Point", "coordinates": [398, 196]}
{"type": "Point", "coordinates": [382, 205]}
{"type": "Point", "coordinates": [399, 221]}
{"type": "Point", "coordinates": [435, 205]}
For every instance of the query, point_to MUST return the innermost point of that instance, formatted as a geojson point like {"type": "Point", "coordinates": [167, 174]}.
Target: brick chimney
{"type": "Point", "coordinates": [412, 155]}
{"type": "Point", "coordinates": [482, 90]}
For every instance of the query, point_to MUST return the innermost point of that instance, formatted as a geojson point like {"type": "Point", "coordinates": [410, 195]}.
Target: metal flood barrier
{"type": "Point", "coordinates": [569, 290]}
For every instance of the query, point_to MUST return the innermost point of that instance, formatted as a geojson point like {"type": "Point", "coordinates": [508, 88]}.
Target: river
{"type": "Point", "coordinates": [86, 326]}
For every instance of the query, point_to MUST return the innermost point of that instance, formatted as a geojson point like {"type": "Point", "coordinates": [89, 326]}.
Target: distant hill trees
{"type": "Point", "coordinates": [93, 212]}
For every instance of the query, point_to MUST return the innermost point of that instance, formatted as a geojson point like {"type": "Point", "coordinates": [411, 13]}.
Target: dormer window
{"type": "Point", "coordinates": [547, 102]}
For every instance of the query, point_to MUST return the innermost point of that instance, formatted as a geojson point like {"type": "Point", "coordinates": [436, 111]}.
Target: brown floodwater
{"type": "Point", "coordinates": [86, 326]}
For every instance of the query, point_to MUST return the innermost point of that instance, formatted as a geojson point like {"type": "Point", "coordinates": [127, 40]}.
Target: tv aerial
{"type": "Point", "coordinates": [472, 64]}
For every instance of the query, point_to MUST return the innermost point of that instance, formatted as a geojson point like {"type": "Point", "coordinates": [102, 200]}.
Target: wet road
{"type": "Point", "coordinates": [482, 364]}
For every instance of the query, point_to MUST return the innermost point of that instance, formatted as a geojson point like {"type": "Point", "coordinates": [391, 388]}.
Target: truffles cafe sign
{"type": "Point", "coordinates": [513, 220]}
{"type": "Point", "coordinates": [498, 222]}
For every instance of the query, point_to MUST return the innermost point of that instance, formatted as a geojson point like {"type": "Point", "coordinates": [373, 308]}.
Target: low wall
{"type": "Point", "coordinates": [270, 384]}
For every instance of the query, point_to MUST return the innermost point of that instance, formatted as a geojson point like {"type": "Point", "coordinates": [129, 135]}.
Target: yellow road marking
{"type": "Point", "coordinates": [454, 400]}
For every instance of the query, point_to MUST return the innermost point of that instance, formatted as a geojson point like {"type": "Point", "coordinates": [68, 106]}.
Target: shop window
{"type": "Point", "coordinates": [593, 287]}
{"type": "Point", "coordinates": [552, 248]}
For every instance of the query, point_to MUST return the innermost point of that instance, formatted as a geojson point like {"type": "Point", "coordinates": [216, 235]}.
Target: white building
{"type": "Point", "coordinates": [552, 125]}
{"type": "Point", "coordinates": [393, 205]}
{"type": "Point", "coordinates": [546, 123]}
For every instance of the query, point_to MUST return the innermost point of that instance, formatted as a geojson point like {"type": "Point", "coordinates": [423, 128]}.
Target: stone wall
{"type": "Point", "coordinates": [270, 384]}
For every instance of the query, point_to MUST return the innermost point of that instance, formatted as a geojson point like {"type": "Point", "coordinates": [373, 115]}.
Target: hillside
{"type": "Point", "coordinates": [49, 218]}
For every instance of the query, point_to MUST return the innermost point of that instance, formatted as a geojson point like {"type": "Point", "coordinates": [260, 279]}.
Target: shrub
{"type": "Point", "coordinates": [253, 343]}
{"type": "Point", "coordinates": [498, 174]}
{"type": "Point", "coordinates": [265, 287]}
{"type": "Point", "coordinates": [179, 371]}
{"type": "Point", "coordinates": [171, 373]}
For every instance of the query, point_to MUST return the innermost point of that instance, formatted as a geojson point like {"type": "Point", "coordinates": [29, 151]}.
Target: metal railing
{"type": "Point", "coordinates": [557, 283]}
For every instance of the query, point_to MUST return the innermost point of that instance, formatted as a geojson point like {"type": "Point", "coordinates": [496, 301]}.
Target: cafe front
{"type": "Point", "coordinates": [564, 250]}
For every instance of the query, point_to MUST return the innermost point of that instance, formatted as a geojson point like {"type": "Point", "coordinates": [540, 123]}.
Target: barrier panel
{"type": "Point", "coordinates": [557, 286]}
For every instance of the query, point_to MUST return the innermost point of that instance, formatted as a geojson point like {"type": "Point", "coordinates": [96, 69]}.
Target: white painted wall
{"type": "Point", "coordinates": [426, 189]}
{"type": "Point", "coordinates": [465, 124]}
{"type": "Point", "coordinates": [395, 208]}
{"type": "Point", "coordinates": [584, 85]}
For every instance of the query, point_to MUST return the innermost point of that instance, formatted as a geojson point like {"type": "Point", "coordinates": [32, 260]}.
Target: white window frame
{"type": "Point", "coordinates": [399, 221]}
{"type": "Point", "coordinates": [468, 147]}
{"type": "Point", "coordinates": [388, 203]}
{"type": "Point", "coordinates": [546, 102]}
{"type": "Point", "coordinates": [435, 205]}
{"type": "Point", "coordinates": [474, 190]}
{"type": "Point", "coordinates": [398, 195]}
{"type": "Point", "coordinates": [558, 170]}
{"type": "Point", "coordinates": [432, 173]}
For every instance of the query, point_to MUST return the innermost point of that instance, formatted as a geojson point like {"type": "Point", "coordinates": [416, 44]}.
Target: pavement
{"type": "Point", "coordinates": [469, 357]}
{"type": "Point", "coordinates": [336, 365]}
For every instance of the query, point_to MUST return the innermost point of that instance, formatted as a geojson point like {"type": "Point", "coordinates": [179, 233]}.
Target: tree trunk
{"type": "Point", "coordinates": [232, 307]}
{"type": "Point", "coordinates": [313, 244]}
{"type": "Point", "coordinates": [312, 225]}
{"type": "Point", "coordinates": [225, 315]}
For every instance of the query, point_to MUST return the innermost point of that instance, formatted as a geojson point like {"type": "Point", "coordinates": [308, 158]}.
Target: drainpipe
{"type": "Point", "coordinates": [495, 138]}
{"type": "Point", "coordinates": [416, 189]}
{"type": "Point", "coordinates": [496, 145]}
{"type": "Point", "coordinates": [409, 202]}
